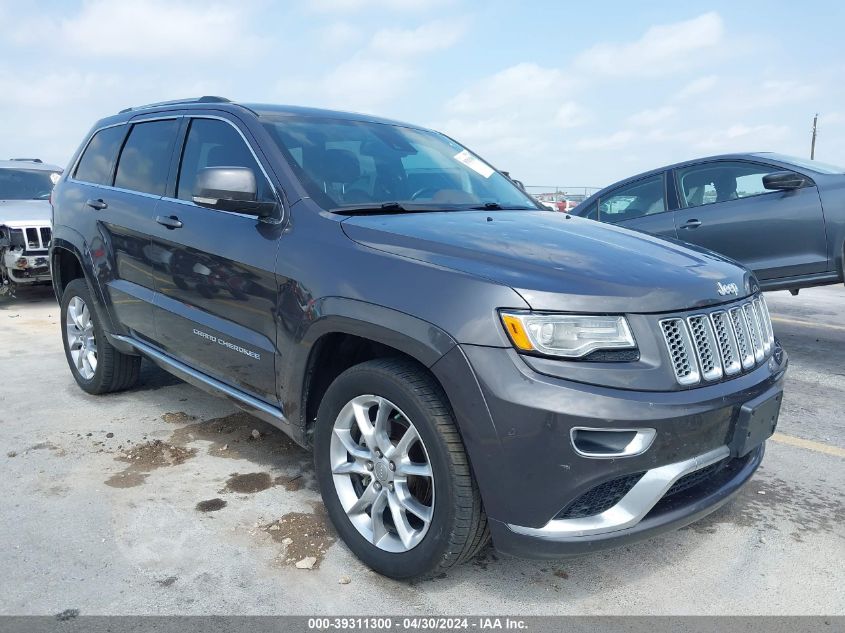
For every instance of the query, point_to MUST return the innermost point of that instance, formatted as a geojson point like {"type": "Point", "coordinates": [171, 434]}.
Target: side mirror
{"type": "Point", "coordinates": [230, 189]}
{"type": "Point", "coordinates": [784, 181]}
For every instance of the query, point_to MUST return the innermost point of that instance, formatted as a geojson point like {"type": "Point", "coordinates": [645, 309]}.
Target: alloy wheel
{"type": "Point", "coordinates": [382, 473]}
{"type": "Point", "coordinates": [81, 342]}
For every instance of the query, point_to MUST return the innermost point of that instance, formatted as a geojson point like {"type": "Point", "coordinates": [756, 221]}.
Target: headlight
{"type": "Point", "coordinates": [570, 336]}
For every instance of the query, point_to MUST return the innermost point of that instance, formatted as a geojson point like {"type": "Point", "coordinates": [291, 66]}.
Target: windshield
{"type": "Point", "coordinates": [346, 165]}
{"type": "Point", "coordinates": [26, 184]}
{"type": "Point", "coordinates": [812, 165]}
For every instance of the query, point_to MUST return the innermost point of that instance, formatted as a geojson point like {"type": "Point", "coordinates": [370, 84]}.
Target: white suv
{"type": "Point", "coordinates": [25, 221]}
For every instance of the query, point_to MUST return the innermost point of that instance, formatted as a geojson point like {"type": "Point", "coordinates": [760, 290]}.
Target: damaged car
{"type": "Point", "coordinates": [25, 221]}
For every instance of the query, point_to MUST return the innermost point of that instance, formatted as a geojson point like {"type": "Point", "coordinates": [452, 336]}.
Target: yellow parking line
{"type": "Point", "coordinates": [827, 326]}
{"type": "Point", "coordinates": [810, 445]}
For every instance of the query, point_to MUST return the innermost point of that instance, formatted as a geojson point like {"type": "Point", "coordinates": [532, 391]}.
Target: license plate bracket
{"type": "Point", "coordinates": [755, 423]}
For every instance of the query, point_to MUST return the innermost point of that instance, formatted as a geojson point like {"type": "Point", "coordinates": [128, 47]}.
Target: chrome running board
{"type": "Point", "coordinates": [253, 405]}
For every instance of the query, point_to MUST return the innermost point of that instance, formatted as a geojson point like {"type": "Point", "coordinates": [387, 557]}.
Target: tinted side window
{"type": "Point", "coordinates": [97, 159]}
{"type": "Point", "coordinates": [643, 197]}
{"type": "Point", "coordinates": [213, 143]}
{"type": "Point", "coordinates": [721, 181]}
{"type": "Point", "coordinates": [145, 159]}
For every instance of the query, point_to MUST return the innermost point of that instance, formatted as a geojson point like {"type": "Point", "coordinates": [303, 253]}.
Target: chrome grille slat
{"type": "Point", "coordinates": [34, 238]}
{"type": "Point", "coordinates": [680, 351]}
{"type": "Point", "coordinates": [711, 345]}
{"type": "Point", "coordinates": [727, 342]}
{"type": "Point", "coordinates": [767, 323]}
{"type": "Point", "coordinates": [46, 235]}
{"type": "Point", "coordinates": [705, 347]}
{"type": "Point", "coordinates": [761, 321]}
{"type": "Point", "coordinates": [746, 351]}
{"type": "Point", "coordinates": [754, 331]}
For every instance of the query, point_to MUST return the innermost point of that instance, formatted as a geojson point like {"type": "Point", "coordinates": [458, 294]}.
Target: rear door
{"type": "Point", "coordinates": [119, 198]}
{"type": "Point", "coordinates": [640, 205]}
{"type": "Point", "coordinates": [215, 307]}
{"type": "Point", "coordinates": [724, 207]}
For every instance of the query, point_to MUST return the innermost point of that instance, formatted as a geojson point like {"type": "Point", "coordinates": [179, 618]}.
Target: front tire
{"type": "Point", "coordinates": [393, 471]}
{"type": "Point", "coordinates": [96, 364]}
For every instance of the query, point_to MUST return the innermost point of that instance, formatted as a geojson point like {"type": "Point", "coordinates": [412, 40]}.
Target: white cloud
{"type": "Point", "coordinates": [338, 35]}
{"type": "Point", "coordinates": [570, 114]}
{"type": "Point", "coordinates": [510, 116]}
{"type": "Point", "coordinates": [661, 50]}
{"type": "Point", "coordinates": [653, 116]}
{"type": "Point", "coordinates": [143, 30]}
{"type": "Point", "coordinates": [520, 84]}
{"type": "Point", "coordinates": [377, 73]}
{"type": "Point", "coordinates": [741, 137]}
{"type": "Point", "coordinates": [53, 89]}
{"type": "Point", "coordinates": [433, 36]}
{"type": "Point", "coordinates": [333, 6]}
{"type": "Point", "coordinates": [617, 140]}
{"type": "Point", "coordinates": [697, 87]}
{"type": "Point", "coordinates": [363, 83]}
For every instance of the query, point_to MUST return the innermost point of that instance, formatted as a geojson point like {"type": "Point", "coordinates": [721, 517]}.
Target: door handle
{"type": "Point", "coordinates": [171, 222]}
{"type": "Point", "coordinates": [99, 205]}
{"type": "Point", "coordinates": [691, 224]}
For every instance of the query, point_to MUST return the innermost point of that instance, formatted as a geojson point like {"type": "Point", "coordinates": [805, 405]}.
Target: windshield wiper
{"type": "Point", "coordinates": [495, 206]}
{"type": "Point", "coordinates": [386, 207]}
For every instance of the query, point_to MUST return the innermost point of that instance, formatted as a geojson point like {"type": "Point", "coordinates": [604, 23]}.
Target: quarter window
{"type": "Point", "coordinates": [96, 163]}
{"type": "Point", "coordinates": [145, 159]}
{"type": "Point", "coordinates": [643, 197]}
{"type": "Point", "coordinates": [721, 181]}
{"type": "Point", "coordinates": [213, 143]}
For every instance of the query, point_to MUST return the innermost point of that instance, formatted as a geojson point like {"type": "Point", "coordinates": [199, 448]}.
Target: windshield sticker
{"type": "Point", "coordinates": [474, 163]}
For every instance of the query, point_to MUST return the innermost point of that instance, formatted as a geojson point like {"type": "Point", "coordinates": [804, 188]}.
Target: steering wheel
{"type": "Point", "coordinates": [431, 191]}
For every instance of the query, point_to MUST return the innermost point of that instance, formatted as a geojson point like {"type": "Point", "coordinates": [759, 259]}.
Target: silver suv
{"type": "Point", "coordinates": [25, 221]}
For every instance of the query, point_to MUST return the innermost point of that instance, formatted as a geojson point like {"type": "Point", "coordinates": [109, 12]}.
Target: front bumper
{"type": "Point", "coordinates": [23, 269]}
{"type": "Point", "coordinates": [667, 514]}
{"type": "Point", "coordinates": [516, 425]}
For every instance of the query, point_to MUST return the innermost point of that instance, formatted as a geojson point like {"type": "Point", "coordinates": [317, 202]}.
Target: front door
{"type": "Point", "coordinates": [215, 305]}
{"type": "Point", "coordinates": [640, 206]}
{"type": "Point", "coordinates": [726, 208]}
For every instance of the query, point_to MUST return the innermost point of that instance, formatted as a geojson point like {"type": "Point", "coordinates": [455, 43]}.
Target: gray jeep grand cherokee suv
{"type": "Point", "coordinates": [463, 363]}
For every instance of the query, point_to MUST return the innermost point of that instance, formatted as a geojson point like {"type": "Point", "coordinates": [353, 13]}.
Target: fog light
{"type": "Point", "coordinates": [22, 263]}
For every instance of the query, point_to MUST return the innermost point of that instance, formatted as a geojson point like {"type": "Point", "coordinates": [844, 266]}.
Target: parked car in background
{"type": "Point", "coordinates": [781, 216]}
{"type": "Point", "coordinates": [25, 186]}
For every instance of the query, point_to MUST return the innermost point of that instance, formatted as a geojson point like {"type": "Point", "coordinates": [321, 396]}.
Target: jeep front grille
{"type": "Point", "coordinates": [711, 345]}
{"type": "Point", "coordinates": [32, 238]}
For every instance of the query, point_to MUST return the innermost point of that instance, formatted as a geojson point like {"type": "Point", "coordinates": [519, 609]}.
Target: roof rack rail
{"type": "Point", "coordinates": [204, 99]}
{"type": "Point", "coordinates": [28, 160]}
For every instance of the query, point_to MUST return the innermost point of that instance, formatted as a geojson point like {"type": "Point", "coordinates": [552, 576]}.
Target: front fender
{"type": "Point", "coordinates": [415, 337]}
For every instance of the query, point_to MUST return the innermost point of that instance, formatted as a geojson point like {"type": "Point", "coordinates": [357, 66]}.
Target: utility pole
{"type": "Point", "coordinates": [813, 142]}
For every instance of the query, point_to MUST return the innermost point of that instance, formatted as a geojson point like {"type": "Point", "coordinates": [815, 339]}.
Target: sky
{"type": "Point", "coordinates": [557, 93]}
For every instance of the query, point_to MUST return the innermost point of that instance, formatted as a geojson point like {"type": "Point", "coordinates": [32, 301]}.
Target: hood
{"type": "Point", "coordinates": [559, 263]}
{"type": "Point", "coordinates": [17, 213]}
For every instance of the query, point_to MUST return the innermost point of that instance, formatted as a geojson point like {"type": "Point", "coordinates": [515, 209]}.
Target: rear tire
{"type": "Point", "coordinates": [97, 366]}
{"type": "Point", "coordinates": [448, 497]}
